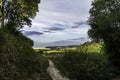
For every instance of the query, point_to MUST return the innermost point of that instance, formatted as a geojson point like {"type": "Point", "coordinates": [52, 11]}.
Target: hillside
{"type": "Point", "coordinates": [91, 47]}
{"type": "Point", "coordinates": [18, 61]}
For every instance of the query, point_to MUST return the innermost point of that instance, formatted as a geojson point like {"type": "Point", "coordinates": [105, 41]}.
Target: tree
{"type": "Point", "coordinates": [105, 25]}
{"type": "Point", "coordinates": [18, 60]}
{"type": "Point", "coordinates": [17, 12]}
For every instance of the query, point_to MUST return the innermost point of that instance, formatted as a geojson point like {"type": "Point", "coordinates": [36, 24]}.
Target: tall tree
{"type": "Point", "coordinates": [105, 25]}
{"type": "Point", "coordinates": [17, 12]}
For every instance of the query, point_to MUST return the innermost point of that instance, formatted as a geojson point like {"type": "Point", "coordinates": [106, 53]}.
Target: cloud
{"type": "Point", "coordinates": [63, 10]}
{"type": "Point", "coordinates": [60, 20]}
{"type": "Point", "coordinates": [77, 41]}
{"type": "Point", "coordinates": [29, 33]}
{"type": "Point", "coordinates": [49, 31]}
{"type": "Point", "coordinates": [81, 38]}
{"type": "Point", "coordinates": [55, 28]}
{"type": "Point", "coordinates": [58, 26]}
{"type": "Point", "coordinates": [79, 24]}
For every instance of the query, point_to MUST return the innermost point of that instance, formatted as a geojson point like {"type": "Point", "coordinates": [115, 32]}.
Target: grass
{"type": "Point", "coordinates": [91, 47]}
{"type": "Point", "coordinates": [53, 50]}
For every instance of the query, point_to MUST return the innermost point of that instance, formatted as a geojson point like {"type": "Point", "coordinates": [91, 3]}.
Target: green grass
{"type": "Point", "coordinates": [53, 50]}
{"type": "Point", "coordinates": [91, 47]}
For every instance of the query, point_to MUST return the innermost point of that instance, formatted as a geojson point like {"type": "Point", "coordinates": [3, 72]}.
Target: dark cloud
{"type": "Point", "coordinates": [82, 38]}
{"type": "Point", "coordinates": [55, 28]}
{"type": "Point", "coordinates": [58, 24]}
{"type": "Point", "coordinates": [79, 24]}
{"type": "Point", "coordinates": [49, 32]}
{"type": "Point", "coordinates": [27, 33]}
{"type": "Point", "coordinates": [62, 26]}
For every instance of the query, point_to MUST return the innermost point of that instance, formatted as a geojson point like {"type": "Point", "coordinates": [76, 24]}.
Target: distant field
{"type": "Point", "coordinates": [54, 49]}
{"type": "Point", "coordinates": [43, 48]}
{"type": "Point", "coordinates": [88, 47]}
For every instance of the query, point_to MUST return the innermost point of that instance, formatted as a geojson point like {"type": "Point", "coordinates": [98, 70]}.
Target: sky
{"type": "Point", "coordinates": [60, 23]}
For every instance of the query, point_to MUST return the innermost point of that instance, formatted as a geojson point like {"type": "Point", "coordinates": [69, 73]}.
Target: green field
{"type": "Point", "coordinates": [88, 47]}
{"type": "Point", "coordinates": [54, 49]}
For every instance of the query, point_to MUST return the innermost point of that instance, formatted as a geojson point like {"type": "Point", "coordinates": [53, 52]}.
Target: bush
{"type": "Point", "coordinates": [18, 61]}
{"type": "Point", "coordinates": [40, 52]}
{"type": "Point", "coordinates": [81, 66]}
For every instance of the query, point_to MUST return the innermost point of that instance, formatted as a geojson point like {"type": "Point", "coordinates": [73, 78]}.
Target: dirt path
{"type": "Point", "coordinates": [54, 73]}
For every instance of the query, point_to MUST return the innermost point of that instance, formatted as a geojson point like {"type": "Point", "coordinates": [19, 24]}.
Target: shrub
{"type": "Point", "coordinates": [81, 66]}
{"type": "Point", "coordinates": [18, 61]}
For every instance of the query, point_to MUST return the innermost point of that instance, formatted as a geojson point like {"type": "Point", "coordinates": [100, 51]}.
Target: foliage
{"type": "Point", "coordinates": [82, 66]}
{"type": "Point", "coordinates": [18, 61]}
{"type": "Point", "coordinates": [91, 47]}
{"type": "Point", "coordinates": [105, 25]}
{"type": "Point", "coordinates": [16, 13]}
{"type": "Point", "coordinates": [40, 51]}
{"type": "Point", "coordinates": [104, 19]}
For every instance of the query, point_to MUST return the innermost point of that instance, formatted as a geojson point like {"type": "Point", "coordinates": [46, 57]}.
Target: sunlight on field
{"type": "Point", "coordinates": [43, 48]}
{"type": "Point", "coordinates": [54, 49]}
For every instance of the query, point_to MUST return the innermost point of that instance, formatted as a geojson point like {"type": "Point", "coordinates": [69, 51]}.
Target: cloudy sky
{"type": "Point", "coordinates": [60, 22]}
